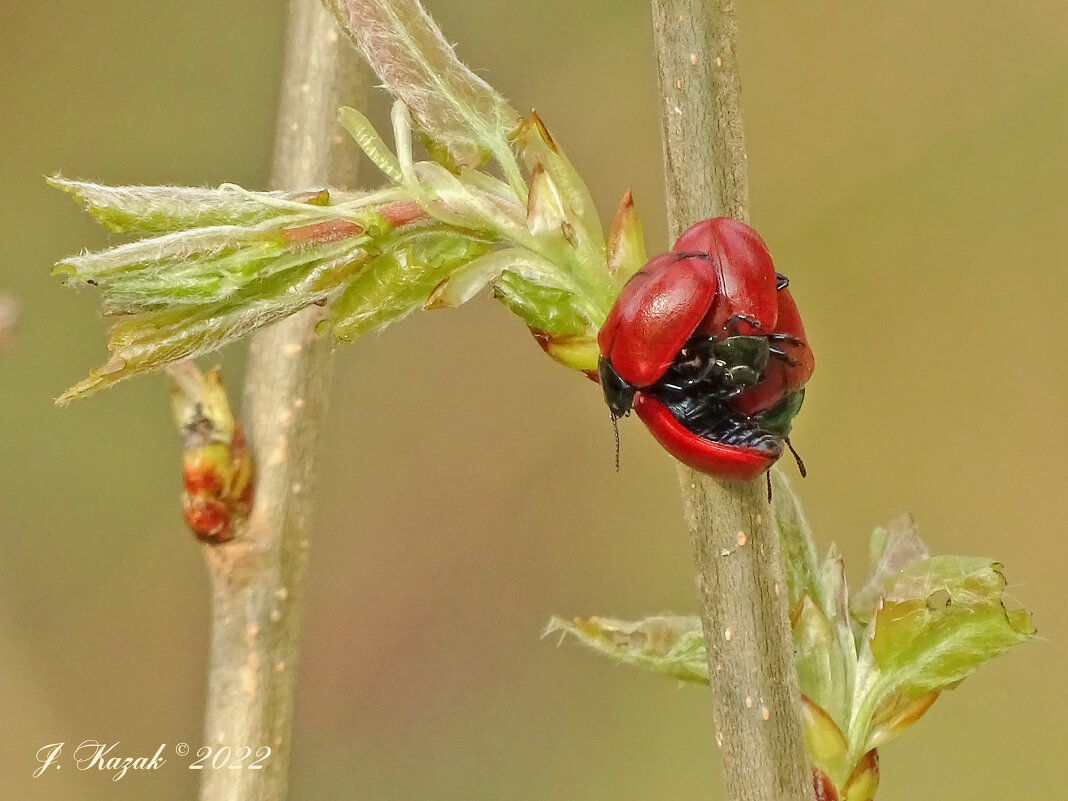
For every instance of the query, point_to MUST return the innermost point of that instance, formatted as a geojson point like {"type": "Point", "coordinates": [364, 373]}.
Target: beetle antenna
{"type": "Point", "coordinates": [767, 475]}
{"type": "Point", "coordinates": [615, 430]}
{"type": "Point", "coordinates": [800, 464]}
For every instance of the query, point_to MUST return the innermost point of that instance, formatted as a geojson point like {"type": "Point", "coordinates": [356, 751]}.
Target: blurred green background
{"type": "Point", "coordinates": [909, 174]}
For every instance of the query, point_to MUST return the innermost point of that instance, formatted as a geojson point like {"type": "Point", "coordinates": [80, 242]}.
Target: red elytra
{"type": "Point", "coordinates": [719, 281]}
{"type": "Point", "coordinates": [747, 282]}
{"type": "Point", "coordinates": [656, 312]}
{"type": "Point", "coordinates": [732, 462]}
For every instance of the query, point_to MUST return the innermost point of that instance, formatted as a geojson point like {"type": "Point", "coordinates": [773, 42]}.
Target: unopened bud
{"type": "Point", "coordinates": [861, 786]}
{"type": "Point", "coordinates": [216, 464]}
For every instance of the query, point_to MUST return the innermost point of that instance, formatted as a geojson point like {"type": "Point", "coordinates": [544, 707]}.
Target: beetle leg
{"type": "Point", "coordinates": [785, 338]}
{"type": "Point", "coordinates": [786, 357]}
{"type": "Point", "coordinates": [696, 362]}
{"type": "Point", "coordinates": [699, 346]}
{"type": "Point", "coordinates": [742, 376]}
{"type": "Point", "coordinates": [688, 365]}
{"type": "Point", "coordinates": [781, 281]}
{"type": "Point", "coordinates": [682, 381]}
{"type": "Point", "coordinates": [732, 323]}
{"type": "Point", "coordinates": [693, 356]}
{"type": "Point", "coordinates": [712, 366]}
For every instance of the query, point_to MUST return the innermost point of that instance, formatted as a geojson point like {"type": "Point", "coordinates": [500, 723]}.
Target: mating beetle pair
{"type": "Point", "coordinates": [706, 344]}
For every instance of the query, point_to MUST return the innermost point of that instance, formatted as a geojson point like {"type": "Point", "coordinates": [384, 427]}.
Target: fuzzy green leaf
{"type": "Point", "coordinates": [373, 146]}
{"type": "Point", "coordinates": [892, 549]}
{"type": "Point", "coordinates": [476, 275]}
{"type": "Point", "coordinates": [826, 745]}
{"type": "Point", "coordinates": [538, 148]}
{"type": "Point", "coordinates": [150, 340]}
{"type": "Point", "coordinates": [667, 645]}
{"type": "Point", "coordinates": [823, 671]}
{"type": "Point", "coordinates": [542, 308]}
{"type": "Point", "coordinates": [456, 109]}
{"type": "Point", "coordinates": [795, 536]}
{"type": "Point", "coordinates": [834, 602]}
{"type": "Point", "coordinates": [218, 268]}
{"type": "Point", "coordinates": [200, 267]}
{"type": "Point", "coordinates": [399, 281]}
{"type": "Point", "coordinates": [190, 292]}
{"type": "Point", "coordinates": [941, 620]}
{"type": "Point", "coordinates": [625, 248]}
{"type": "Point", "coordinates": [896, 714]}
{"type": "Point", "coordinates": [161, 209]}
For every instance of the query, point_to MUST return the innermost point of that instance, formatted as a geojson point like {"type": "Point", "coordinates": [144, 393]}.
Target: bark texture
{"type": "Point", "coordinates": [740, 580]}
{"type": "Point", "coordinates": [257, 579]}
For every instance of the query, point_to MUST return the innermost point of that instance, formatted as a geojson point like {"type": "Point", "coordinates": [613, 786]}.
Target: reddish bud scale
{"type": "Point", "coordinates": [322, 233]}
{"type": "Point", "coordinates": [218, 488]}
{"type": "Point", "coordinates": [200, 476]}
{"type": "Point", "coordinates": [402, 213]}
{"type": "Point", "coordinates": [208, 518]}
{"type": "Point", "coordinates": [822, 785]}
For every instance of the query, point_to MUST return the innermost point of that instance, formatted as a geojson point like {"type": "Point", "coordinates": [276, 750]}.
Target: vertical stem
{"type": "Point", "coordinates": [741, 586]}
{"type": "Point", "coordinates": [257, 579]}
{"type": "Point", "coordinates": [700, 111]}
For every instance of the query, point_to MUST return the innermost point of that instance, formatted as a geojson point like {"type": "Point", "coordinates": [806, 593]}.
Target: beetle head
{"type": "Point", "coordinates": [618, 394]}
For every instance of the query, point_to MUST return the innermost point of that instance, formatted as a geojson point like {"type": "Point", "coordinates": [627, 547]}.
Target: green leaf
{"type": "Point", "coordinates": [459, 111]}
{"type": "Point", "coordinates": [148, 341]}
{"type": "Point", "coordinates": [548, 217]}
{"type": "Point", "coordinates": [822, 668]}
{"type": "Point", "coordinates": [795, 537]}
{"type": "Point", "coordinates": [864, 781]}
{"type": "Point", "coordinates": [361, 129]}
{"type": "Point", "coordinates": [190, 292]}
{"type": "Point", "coordinates": [454, 200]}
{"type": "Point", "coordinates": [161, 209]}
{"type": "Point", "coordinates": [667, 645]}
{"type": "Point", "coordinates": [824, 741]}
{"type": "Point", "coordinates": [538, 148]}
{"type": "Point", "coordinates": [941, 620]}
{"type": "Point", "coordinates": [834, 601]}
{"type": "Point", "coordinates": [896, 714]}
{"type": "Point", "coordinates": [160, 280]}
{"type": "Point", "coordinates": [892, 549]}
{"type": "Point", "coordinates": [626, 241]}
{"type": "Point", "coordinates": [471, 278]}
{"type": "Point", "coordinates": [542, 308]}
{"type": "Point", "coordinates": [399, 281]}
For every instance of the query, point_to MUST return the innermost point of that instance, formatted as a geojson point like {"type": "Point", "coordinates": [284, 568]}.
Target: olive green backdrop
{"type": "Point", "coordinates": [909, 174]}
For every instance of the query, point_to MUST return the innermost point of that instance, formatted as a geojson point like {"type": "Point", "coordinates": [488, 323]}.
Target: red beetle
{"type": "Point", "coordinates": [707, 345]}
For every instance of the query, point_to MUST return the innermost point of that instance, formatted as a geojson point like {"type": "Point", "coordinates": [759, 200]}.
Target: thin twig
{"type": "Point", "coordinates": [257, 579]}
{"type": "Point", "coordinates": [756, 701]}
